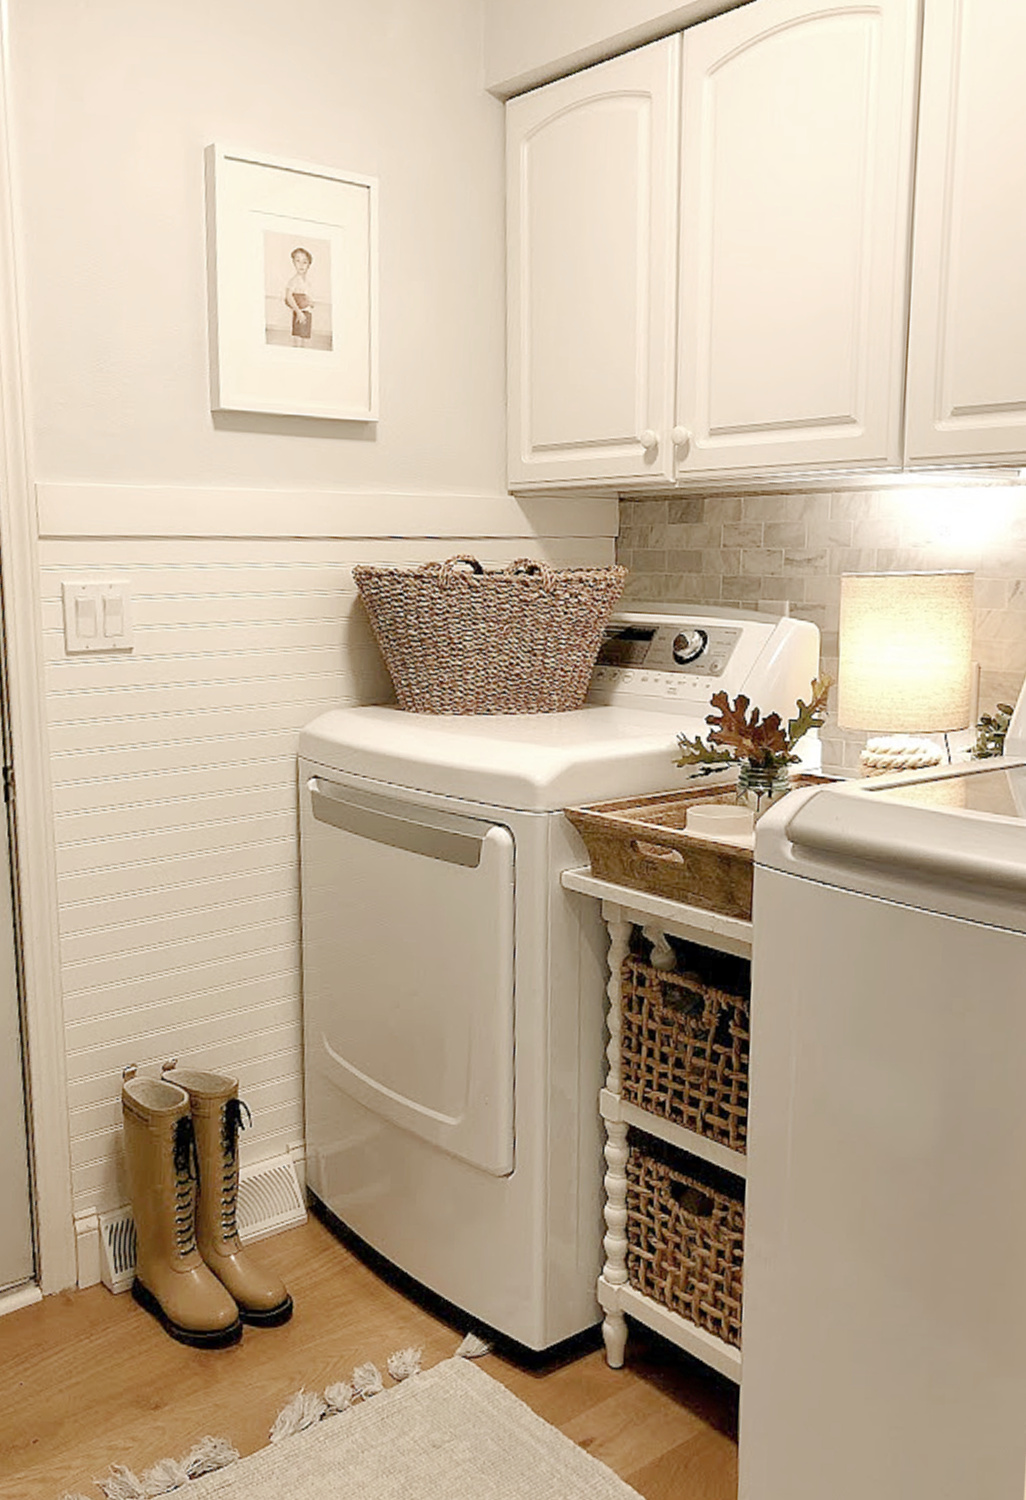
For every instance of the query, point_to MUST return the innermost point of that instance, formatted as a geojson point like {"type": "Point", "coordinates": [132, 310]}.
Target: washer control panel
{"type": "Point", "coordinates": [608, 684]}
{"type": "Point", "coordinates": [674, 658]}
{"type": "Point", "coordinates": [695, 649]}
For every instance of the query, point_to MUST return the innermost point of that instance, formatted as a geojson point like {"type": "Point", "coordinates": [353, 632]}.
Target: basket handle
{"type": "Point", "coordinates": [454, 568]}
{"type": "Point", "coordinates": [686, 1002]}
{"type": "Point", "coordinates": [692, 1200]}
{"type": "Point", "coordinates": [530, 567]}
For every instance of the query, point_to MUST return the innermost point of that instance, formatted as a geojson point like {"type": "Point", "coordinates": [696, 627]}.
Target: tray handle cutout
{"type": "Point", "coordinates": [657, 851]}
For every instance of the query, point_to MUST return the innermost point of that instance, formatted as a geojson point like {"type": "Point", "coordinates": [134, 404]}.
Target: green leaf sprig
{"type": "Point", "coordinates": [991, 730]}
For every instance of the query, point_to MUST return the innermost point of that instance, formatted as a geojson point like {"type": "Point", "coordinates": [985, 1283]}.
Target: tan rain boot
{"type": "Point", "coordinates": [217, 1119]}
{"type": "Point", "coordinates": [171, 1280]}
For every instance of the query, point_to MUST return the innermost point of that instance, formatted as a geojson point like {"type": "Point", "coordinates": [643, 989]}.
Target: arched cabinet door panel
{"type": "Point", "coordinates": [796, 157]}
{"type": "Point", "coordinates": [591, 268]}
{"type": "Point", "coordinates": [967, 339]}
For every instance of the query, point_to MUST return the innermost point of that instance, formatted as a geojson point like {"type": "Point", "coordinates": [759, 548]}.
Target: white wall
{"type": "Point", "coordinates": [528, 42]}
{"type": "Point", "coordinates": [114, 102]}
{"type": "Point", "coordinates": [173, 768]}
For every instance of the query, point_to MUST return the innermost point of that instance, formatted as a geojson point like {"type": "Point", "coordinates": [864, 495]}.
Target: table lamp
{"type": "Point", "coordinates": [905, 662]}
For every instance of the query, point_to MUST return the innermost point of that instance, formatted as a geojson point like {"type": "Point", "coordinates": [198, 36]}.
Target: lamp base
{"type": "Point", "coordinates": [899, 752]}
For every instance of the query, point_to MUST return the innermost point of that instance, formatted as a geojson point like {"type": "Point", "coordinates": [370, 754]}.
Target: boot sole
{"type": "Point", "coordinates": [272, 1318]}
{"type": "Point", "coordinates": [197, 1338]}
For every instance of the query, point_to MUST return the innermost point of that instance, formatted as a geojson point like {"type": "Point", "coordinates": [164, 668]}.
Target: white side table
{"type": "Point", "coordinates": [624, 908]}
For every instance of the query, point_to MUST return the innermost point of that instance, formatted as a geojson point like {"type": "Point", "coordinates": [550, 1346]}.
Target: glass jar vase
{"type": "Point", "coordinates": [758, 787]}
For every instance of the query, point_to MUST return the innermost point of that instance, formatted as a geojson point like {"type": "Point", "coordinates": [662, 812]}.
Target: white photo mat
{"type": "Point", "coordinates": [292, 268]}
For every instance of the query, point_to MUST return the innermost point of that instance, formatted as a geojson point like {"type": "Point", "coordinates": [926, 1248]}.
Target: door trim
{"type": "Point", "coordinates": [36, 877]}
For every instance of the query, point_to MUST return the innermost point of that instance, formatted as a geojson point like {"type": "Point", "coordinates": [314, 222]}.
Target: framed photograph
{"type": "Point", "coordinates": [292, 269]}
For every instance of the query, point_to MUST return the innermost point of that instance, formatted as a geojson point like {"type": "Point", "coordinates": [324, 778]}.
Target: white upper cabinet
{"type": "Point", "coordinates": [592, 235]}
{"type": "Point", "coordinates": [967, 347]}
{"type": "Point", "coordinates": [748, 316]}
{"type": "Point", "coordinates": [796, 163]}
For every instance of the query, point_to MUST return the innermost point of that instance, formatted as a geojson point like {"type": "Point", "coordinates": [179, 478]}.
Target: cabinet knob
{"type": "Point", "coordinates": [681, 438]}
{"type": "Point", "coordinates": [648, 439]}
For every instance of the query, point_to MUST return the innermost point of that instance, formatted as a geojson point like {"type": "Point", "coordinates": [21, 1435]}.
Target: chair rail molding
{"type": "Point", "coordinates": [68, 510]}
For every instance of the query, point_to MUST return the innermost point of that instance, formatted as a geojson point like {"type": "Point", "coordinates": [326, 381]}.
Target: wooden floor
{"type": "Point", "coordinates": [88, 1379]}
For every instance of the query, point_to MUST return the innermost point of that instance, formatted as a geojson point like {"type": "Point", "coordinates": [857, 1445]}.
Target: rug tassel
{"type": "Point", "coordinates": [367, 1381]}
{"type": "Point", "coordinates": [164, 1477]}
{"type": "Point", "coordinates": [121, 1484]}
{"type": "Point", "coordinates": [338, 1398]}
{"type": "Point", "coordinates": [473, 1347]}
{"type": "Point", "coordinates": [303, 1411]}
{"type": "Point", "coordinates": [209, 1455]}
{"type": "Point", "coordinates": [404, 1363]}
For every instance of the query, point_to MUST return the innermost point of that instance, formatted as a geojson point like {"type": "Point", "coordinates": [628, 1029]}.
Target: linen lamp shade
{"type": "Point", "coordinates": [905, 652]}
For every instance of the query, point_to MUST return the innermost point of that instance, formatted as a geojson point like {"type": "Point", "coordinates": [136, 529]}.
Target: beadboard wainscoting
{"type": "Point", "coordinates": [787, 551]}
{"type": "Point", "coordinates": [174, 786]}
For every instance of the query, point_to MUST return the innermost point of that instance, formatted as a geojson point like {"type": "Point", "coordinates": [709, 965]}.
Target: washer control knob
{"type": "Point", "coordinates": [689, 645]}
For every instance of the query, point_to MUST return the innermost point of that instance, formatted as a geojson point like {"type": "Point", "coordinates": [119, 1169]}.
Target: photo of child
{"type": "Point", "coordinates": [297, 291]}
{"type": "Point", "coordinates": [297, 296]}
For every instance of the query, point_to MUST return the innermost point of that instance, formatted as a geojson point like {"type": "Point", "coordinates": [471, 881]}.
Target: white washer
{"type": "Point", "coordinates": [453, 991]}
{"type": "Point", "coordinates": [884, 1328]}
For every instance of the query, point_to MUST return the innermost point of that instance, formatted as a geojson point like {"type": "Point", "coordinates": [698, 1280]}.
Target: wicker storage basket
{"type": "Point", "coordinates": [458, 640]}
{"type": "Point", "coordinates": [684, 1051]}
{"type": "Point", "coordinates": [685, 1236]}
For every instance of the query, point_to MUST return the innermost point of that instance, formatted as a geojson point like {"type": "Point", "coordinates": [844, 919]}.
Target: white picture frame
{"type": "Point", "coordinates": [292, 265]}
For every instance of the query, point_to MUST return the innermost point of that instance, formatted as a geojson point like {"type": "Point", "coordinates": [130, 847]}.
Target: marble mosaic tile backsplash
{"type": "Point", "coordinates": [787, 551]}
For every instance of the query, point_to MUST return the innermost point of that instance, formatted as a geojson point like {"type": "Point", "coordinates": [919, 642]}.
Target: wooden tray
{"type": "Point", "coordinates": [642, 842]}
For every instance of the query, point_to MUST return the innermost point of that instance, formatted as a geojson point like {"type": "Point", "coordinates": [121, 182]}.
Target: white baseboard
{"type": "Point", "coordinates": [21, 1296]}
{"type": "Point", "coordinates": [87, 1248]}
{"type": "Point", "coordinates": [297, 1154]}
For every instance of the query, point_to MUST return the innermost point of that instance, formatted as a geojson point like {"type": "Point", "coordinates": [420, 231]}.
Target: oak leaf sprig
{"type": "Point", "coordinates": [811, 715]}
{"type": "Point", "coordinates": [739, 732]}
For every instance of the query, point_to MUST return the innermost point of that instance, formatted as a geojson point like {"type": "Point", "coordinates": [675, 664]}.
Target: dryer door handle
{"type": "Point", "coordinates": [330, 806]}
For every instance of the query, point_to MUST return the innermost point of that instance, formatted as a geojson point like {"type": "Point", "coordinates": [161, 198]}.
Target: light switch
{"type": "Point", "coordinates": [85, 617]}
{"type": "Point", "coordinates": [97, 616]}
{"type": "Point", "coordinates": [113, 615]}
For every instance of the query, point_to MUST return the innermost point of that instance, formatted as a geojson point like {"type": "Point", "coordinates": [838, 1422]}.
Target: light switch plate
{"type": "Point", "coordinates": [97, 616]}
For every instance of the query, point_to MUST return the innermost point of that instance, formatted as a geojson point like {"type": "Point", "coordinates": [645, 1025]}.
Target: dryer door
{"type": "Point", "coordinates": [408, 964]}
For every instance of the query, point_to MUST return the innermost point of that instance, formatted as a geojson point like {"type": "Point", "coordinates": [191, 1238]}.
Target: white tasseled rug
{"type": "Point", "coordinates": [449, 1433]}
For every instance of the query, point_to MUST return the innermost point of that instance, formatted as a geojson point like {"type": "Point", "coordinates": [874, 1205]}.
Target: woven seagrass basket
{"type": "Point", "coordinates": [685, 1236]}
{"type": "Point", "coordinates": [684, 1051]}
{"type": "Point", "coordinates": [459, 640]}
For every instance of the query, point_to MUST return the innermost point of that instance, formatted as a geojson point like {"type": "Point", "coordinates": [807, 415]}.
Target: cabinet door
{"type": "Point", "coordinates": [795, 195]}
{"type": "Point", "coordinates": [591, 204]}
{"type": "Point", "coordinates": [967, 344]}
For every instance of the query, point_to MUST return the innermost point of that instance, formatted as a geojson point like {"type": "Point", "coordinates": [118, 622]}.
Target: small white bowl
{"type": "Point", "coordinates": [720, 820]}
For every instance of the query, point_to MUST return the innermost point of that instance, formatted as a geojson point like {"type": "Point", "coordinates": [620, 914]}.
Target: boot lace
{"type": "Point", "coordinates": [233, 1123]}
{"type": "Point", "coordinates": [186, 1167]}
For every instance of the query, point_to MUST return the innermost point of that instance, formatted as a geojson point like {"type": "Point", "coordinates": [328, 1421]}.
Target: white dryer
{"type": "Point", "coordinates": [453, 991]}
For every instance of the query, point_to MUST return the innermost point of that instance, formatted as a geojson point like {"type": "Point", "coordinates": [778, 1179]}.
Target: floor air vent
{"type": "Point", "coordinates": [270, 1199]}
{"type": "Point", "coordinates": [117, 1249]}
